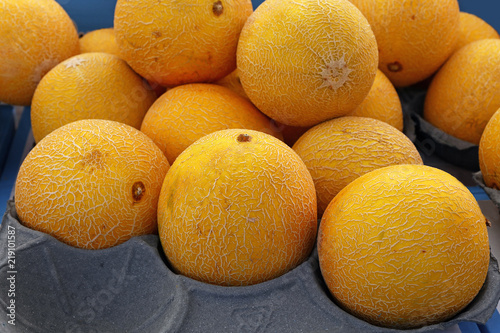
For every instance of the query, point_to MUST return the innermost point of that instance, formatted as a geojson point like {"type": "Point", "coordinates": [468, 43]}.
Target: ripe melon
{"type": "Point", "coordinates": [100, 40]}
{"type": "Point", "coordinates": [463, 95]}
{"type": "Point", "coordinates": [305, 61]}
{"type": "Point", "coordinates": [35, 35]}
{"type": "Point", "coordinates": [187, 112]}
{"type": "Point", "coordinates": [414, 38]}
{"type": "Point", "coordinates": [91, 184]}
{"type": "Point", "coordinates": [338, 151]}
{"type": "Point", "coordinates": [237, 207]}
{"type": "Point", "coordinates": [233, 82]}
{"type": "Point", "coordinates": [404, 246]}
{"type": "Point", "coordinates": [92, 85]}
{"type": "Point", "coordinates": [489, 152]}
{"type": "Point", "coordinates": [473, 28]}
{"type": "Point", "coordinates": [174, 42]}
{"type": "Point", "coordinates": [382, 103]}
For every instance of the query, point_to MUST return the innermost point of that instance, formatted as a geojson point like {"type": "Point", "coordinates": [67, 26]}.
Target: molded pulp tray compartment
{"type": "Point", "coordinates": [492, 193]}
{"type": "Point", "coordinates": [129, 288]}
{"type": "Point", "coordinates": [430, 139]}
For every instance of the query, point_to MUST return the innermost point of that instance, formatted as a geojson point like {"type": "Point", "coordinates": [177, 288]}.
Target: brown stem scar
{"type": "Point", "coordinates": [217, 8]}
{"type": "Point", "coordinates": [244, 138]}
{"type": "Point", "coordinates": [394, 66]}
{"type": "Point", "coordinates": [138, 190]}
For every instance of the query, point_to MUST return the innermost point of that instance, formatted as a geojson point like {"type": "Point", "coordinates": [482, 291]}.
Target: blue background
{"type": "Point", "coordinates": [94, 14]}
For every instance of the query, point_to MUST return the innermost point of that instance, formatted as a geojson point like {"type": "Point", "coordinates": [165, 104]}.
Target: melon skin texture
{"type": "Point", "coordinates": [489, 152]}
{"type": "Point", "coordinates": [237, 207]}
{"type": "Point", "coordinates": [382, 103]}
{"type": "Point", "coordinates": [414, 37]}
{"type": "Point", "coordinates": [303, 62]}
{"type": "Point", "coordinates": [473, 28]}
{"type": "Point", "coordinates": [93, 85]}
{"type": "Point", "coordinates": [176, 42]}
{"type": "Point", "coordinates": [35, 35]}
{"type": "Point", "coordinates": [404, 246]}
{"type": "Point", "coordinates": [232, 81]}
{"type": "Point", "coordinates": [91, 184]}
{"type": "Point", "coordinates": [100, 40]}
{"type": "Point", "coordinates": [463, 95]}
{"type": "Point", "coordinates": [186, 113]}
{"type": "Point", "coordinates": [340, 150]}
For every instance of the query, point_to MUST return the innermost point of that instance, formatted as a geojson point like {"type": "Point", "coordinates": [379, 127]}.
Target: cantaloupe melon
{"type": "Point", "coordinates": [100, 40]}
{"type": "Point", "coordinates": [463, 95]}
{"type": "Point", "coordinates": [237, 207]}
{"type": "Point", "coordinates": [338, 151]}
{"type": "Point", "coordinates": [175, 42]}
{"type": "Point", "coordinates": [93, 85]}
{"type": "Point", "coordinates": [188, 112]}
{"type": "Point", "coordinates": [473, 28]}
{"type": "Point", "coordinates": [35, 35]}
{"type": "Point", "coordinates": [91, 184]}
{"type": "Point", "coordinates": [414, 37]}
{"type": "Point", "coordinates": [302, 62]}
{"type": "Point", "coordinates": [382, 103]}
{"type": "Point", "coordinates": [489, 152]}
{"type": "Point", "coordinates": [404, 246]}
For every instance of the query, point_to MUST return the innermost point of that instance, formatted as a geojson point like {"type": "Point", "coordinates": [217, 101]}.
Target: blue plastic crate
{"type": "Point", "coordinates": [7, 128]}
{"type": "Point", "coordinates": [22, 141]}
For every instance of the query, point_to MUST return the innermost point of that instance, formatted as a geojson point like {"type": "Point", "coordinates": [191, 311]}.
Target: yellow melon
{"type": "Point", "coordinates": [89, 86]}
{"type": "Point", "coordinates": [237, 207]}
{"type": "Point", "coordinates": [233, 82]}
{"type": "Point", "coordinates": [100, 40]}
{"type": "Point", "coordinates": [463, 95]}
{"type": "Point", "coordinates": [414, 38]}
{"type": "Point", "coordinates": [175, 42]}
{"type": "Point", "coordinates": [35, 35]}
{"type": "Point", "coordinates": [404, 246]}
{"type": "Point", "coordinates": [489, 152]}
{"type": "Point", "coordinates": [338, 151]}
{"type": "Point", "coordinates": [91, 184]}
{"type": "Point", "coordinates": [187, 112]}
{"type": "Point", "coordinates": [473, 28]}
{"type": "Point", "coordinates": [382, 103]}
{"type": "Point", "coordinates": [306, 61]}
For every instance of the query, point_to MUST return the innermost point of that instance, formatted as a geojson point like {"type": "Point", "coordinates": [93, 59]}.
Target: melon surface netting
{"type": "Point", "coordinates": [489, 152]}
{"type": "Point", "coordinates": [414, 37]}
{"type": "Point", "coordinates": [404, 246]}
{"type": "Point", "coordinates": [382, 103]}
{"type": "Point", "coordinates": [340, 150]}
{"type": "Point", "coordinates": [174, 42]}
{"type": "Point", "coordinates": [93, 85]}
{"type": "Point", "coordinates": [188, 112]}
{"type": "Point", "coordinates": [473, 28]}
{"type": "Point", "coordinates": [35, 35]}
{"type": "Point", "coordinates": [237, 207]}
{"type": "Point", "coordinates": [463, 95]}
{"type": "Point", "coordinates": [306, 61]}
{"type": "Point", "coordinates": [100, 40]}
{"type": "Point", "coordinates": [91, 184]}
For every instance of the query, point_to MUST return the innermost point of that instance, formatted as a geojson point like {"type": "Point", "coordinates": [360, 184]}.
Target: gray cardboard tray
{"type": "Point", "coordinates": [492, 193]}
{"type": "Point", "coordinates": [430, 139]}
{"type": "Point", "coordinates": [130, 288]}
